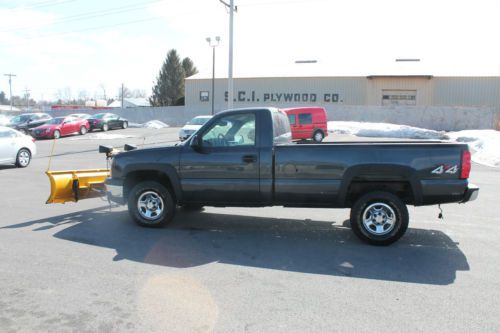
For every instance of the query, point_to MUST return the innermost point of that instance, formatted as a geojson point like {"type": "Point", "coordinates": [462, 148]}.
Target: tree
{"type": "Point", "coordinates": [3, 99]}
{"type": "Point", "coordinates": [169, 87]}
{"type": "Point", "coordinates": [189, 68]}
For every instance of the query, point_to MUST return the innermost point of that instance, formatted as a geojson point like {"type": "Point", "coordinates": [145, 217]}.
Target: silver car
{"type": "Point", "coordinates": [192, 126]}
{"type": "Point", "coordinates": [16, 148]}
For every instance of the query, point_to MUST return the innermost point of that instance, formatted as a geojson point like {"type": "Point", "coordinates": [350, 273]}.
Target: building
{"type": "Point", "coordinates": [404, 94]}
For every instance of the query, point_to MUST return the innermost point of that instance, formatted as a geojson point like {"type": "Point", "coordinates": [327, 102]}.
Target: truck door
{"type": "Point", "coordinates": [224, 167]}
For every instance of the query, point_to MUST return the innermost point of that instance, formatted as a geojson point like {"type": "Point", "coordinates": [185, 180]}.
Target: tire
{"type": "Point", "coordinates": [150, 204]}
{"type": "Point", "coordinates": [379, 218]}
{"type": "Point", "coordinates": [318, 136]}
{"type": "Point", "coordinates": [83, 130]}
{"type": "Point", "coordinates": [124, 125]}
{"type": "Point", "coordinates": [105, 127]}
{"type": "Point", "coordinates": [23, 158]}
{"type": "Point", "coordinates": [57, 134]}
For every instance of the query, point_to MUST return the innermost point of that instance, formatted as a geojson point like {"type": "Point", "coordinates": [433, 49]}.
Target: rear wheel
{"type": "Point", "coordinates": [105, 127]}
{"type": "Point", "coordinates": [83, 130]}
{"type": "Point", "coordinates": [57, 134]}
{"type": "Point", "coordinates": [23, 158]}
{"type": "Point", "coordinates": [318, 136]}
{"type": "Point", "coordinates": [379, 218]}
{"type": "Point", "coordinates": [150, 204]}
{"type": "Point", "coordinates": [125, 125]}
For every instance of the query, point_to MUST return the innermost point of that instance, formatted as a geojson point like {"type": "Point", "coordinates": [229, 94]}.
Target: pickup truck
{"type": "Point", "coordinates": [245, 157]}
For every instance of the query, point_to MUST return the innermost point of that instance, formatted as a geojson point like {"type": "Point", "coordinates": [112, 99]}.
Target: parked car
{"type": "Point", "coordinates": [308, 123]}
{"type": "Point", "coordinates": [4, 120]}
{"type": "Point", "coordinates": [107, 121]}
{"type": "Point", "coordinates": [61, 126]}
{"type": "Point", "coordinates": [80, 115]}
{"type": "Point", "coordinates": [192, 126]}
{"type": "Point", "coordinates": [16, 147]}
{"type": "Point", "coordinates": [24, 122]}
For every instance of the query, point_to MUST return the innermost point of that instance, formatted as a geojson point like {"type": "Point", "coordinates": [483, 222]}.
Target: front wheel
{"type": "Point", "coordinates": [379, 218]}
{"type": "Point", "coordinates": [150, 204]}
{"type": "Point", "coordinates": [318, 136]}
{"type": "Point", "coordinates": [125, 125]}
{"type": "Point", "coordinates": [57, 134]}
{"type": "Point", "coordinates": [105, 127]}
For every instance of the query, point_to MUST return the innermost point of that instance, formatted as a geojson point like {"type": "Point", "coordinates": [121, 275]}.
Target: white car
{"type": "Point", "coordinates": [16, 148]}
{"type": "Point", "coordinates": [192, 126]}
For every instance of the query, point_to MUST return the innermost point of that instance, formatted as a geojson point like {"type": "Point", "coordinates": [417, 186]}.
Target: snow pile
{"type": "Point", "coordinates": [484, 145]}
{"type": "Point", "coordinates": [103, 136]}
{"type": "Point", "coordinates": [383, 130]}
{"type": "Point", "coordinates": [156, 124]}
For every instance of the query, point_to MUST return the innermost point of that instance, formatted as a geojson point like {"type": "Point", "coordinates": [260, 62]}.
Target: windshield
{"type": "Point", "coordinates": [55, 121]}
{"type": "Point", "coordinates": [198, 121]}
{"type": "Point", "coordinates": [19, 119]}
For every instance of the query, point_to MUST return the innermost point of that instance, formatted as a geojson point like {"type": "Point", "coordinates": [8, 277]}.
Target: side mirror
{"type": "Point", "coordinates": [195, 142]}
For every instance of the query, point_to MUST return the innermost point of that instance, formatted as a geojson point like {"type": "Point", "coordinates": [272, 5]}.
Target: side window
{"type": "Point", "coordinates": [232, 130]}
{"type": "Point", "coordinates": [291, 118]}
{"type": "Point", "coordinates": [305, 118]}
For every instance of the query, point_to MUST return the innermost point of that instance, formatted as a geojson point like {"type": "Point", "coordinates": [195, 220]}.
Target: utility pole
{"type": "Point", "coordinates": [123, 88]}
{"type": "Point", "coordinates": [10, 75]}
{"type": "Point", "coordinates": [27, 95]}
{"type": "Point", "coordinates": [213, 45]}
{"type": "Point", "coordinates": [232, 9]}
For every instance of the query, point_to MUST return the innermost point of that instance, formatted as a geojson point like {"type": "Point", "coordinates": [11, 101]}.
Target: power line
{"type": "Point", "coordinates": [89, 15]}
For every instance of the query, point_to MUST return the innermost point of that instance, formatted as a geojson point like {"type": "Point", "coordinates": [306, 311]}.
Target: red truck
{"type": "Point", "coordinates": [308, 123]}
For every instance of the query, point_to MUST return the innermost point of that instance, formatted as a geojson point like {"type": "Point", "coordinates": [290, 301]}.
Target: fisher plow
{"type": "Point", "coordinates": [76, 185]}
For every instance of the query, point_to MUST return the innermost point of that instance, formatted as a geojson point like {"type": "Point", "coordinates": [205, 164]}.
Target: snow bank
{"type": "Point", "coordinates": [484, 144]}
{"type": "Point", "coordinates": [384, 130]}
{"type": "Point", "coordinates": [102, 136]}
{"type": "Point", "coordinates": [156, 124]}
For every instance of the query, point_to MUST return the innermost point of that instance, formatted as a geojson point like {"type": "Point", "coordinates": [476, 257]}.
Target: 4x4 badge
{"type": "Point", "coordinates": [445, 169]}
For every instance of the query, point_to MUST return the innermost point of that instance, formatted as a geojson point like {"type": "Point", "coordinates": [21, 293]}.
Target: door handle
{"type": "Point", "coordinates": [249, 158]}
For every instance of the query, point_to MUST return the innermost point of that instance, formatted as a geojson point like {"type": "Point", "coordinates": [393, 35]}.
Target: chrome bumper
{"type": "Point", "coordinates": [471, 193]}
{"type": "Point", "coordinates": [114, 190]}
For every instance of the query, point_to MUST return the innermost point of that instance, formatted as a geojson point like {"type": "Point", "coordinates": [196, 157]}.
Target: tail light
{"type": "Point", "coordinates": [466, 164]}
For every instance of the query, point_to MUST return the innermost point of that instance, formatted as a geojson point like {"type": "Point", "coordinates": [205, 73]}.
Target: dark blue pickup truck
{"type": "Point", "coordinates": [245, 157]}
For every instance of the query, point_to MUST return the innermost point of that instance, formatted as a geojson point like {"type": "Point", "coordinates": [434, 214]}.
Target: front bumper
{"type": "Point", "coordinates": [471, 193]}
{"type": "Point", "coordinates": [114, 190]}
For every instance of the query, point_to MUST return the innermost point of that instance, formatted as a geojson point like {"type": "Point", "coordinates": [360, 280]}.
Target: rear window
{"type": "Point", "coordinates": [305, 118]}
{"type": "Point", "coordinates": [281, 128]}
{"type": "Point", "coordinates": [291, 118]}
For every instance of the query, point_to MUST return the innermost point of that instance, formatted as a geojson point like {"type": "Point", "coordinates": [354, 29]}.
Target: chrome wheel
{"type": "Point", "coordinates": [318, 136]}
{"type": "Point", "coordinates": [105, 127]}
{"type": "Point", "coordinates": [23, 158]}
{"type": "Point", "coordinates": [150, 205]}
{"type": "Point", "coordinates": [57, 134]}
{"type": "Point", "coordinates": [83, 130]}
{"type": "Point", "coordinates": [125, 125]}
{"type": "Point", "coordinates": [379, 218]}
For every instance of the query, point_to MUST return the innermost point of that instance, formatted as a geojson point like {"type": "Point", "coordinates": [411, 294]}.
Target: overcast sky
{"type": "Point", "coordinates": [95, 45]}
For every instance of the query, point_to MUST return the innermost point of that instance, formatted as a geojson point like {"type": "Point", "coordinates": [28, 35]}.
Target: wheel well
{"type": "Point", "coordinates": [401, 189]}
{"type": "Point", "coordinates": [138, 176]}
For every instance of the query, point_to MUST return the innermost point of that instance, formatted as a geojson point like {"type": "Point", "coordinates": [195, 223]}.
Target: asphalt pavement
{"type": "Point", "coordinates": [86, 267]}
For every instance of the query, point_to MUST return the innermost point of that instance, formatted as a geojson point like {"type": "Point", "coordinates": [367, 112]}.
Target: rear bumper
{"type": "Point", "coordinates": [114, 190]}
{"type": "Point", "coordinates": [471, 193]}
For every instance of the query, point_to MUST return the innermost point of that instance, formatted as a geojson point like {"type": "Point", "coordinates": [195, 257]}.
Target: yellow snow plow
{"type": "Point", "coordinates": [75, 185]}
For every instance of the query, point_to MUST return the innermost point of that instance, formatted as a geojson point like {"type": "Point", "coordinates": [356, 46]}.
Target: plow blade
{"type": "Point", "coordinates": [74, 185]}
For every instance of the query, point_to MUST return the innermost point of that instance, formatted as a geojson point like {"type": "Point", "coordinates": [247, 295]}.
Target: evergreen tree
{"type": "Point", "coordinates": [169, 87]}
{"type": "Point", "coordinates": [3, 99]}
{"type": "Point", "coordinates": [189, 68]}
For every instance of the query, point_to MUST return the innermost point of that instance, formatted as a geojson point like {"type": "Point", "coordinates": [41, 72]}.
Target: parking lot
{"type": "Point", "coordinates": [88, 267]}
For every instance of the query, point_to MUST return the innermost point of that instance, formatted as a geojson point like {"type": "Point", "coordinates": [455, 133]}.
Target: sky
{"type": "Point", "coordinates": [89, 47]}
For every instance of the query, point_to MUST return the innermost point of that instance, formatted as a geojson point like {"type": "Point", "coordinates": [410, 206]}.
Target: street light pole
{"type": "Point", "coordinates": [232, 8]}
{"type": "Point", "coordinates": [214, 45]}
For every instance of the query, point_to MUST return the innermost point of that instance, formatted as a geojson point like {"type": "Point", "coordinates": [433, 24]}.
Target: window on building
{"type": "Point", "coordinates": [399, 97]}
{"type": "Point", "coordinates": [204, 96]}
